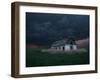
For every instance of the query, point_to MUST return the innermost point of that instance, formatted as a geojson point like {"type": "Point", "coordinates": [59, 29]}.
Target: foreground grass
{"type": "Point", "coordinates": [34, 57]}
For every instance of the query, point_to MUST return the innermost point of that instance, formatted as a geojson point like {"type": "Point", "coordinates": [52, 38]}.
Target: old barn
{"type": "Point", "coordinates": [64, 45]}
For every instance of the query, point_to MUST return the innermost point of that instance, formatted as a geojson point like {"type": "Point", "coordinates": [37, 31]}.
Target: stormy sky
{"type": "Point", "coordinates": [45, 28]}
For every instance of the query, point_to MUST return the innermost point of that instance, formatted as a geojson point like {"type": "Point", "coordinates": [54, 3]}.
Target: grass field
{"type": "Point", "coordinates": [34, 57]}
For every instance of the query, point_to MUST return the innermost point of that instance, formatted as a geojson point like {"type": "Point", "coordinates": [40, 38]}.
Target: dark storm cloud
{"type": "Point", "coordinates": [42, 28]}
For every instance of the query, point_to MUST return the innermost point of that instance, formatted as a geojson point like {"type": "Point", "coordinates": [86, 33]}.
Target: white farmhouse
{"type": "Point", "coordinates": [64, 45]}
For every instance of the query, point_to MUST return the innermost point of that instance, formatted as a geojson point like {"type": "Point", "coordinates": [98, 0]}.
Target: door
{"type": "Point", "coordinates": [71, 47]}
{"type": "Point", "coordinates": [63, 48]}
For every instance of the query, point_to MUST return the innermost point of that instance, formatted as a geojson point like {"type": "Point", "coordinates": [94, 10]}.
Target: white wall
{"type": "Point", "coordinates": [5, 43]}
{"type": "Point", "coordinates": [67, 47]}
{"type": "Point", "coordinates": [75, 47]}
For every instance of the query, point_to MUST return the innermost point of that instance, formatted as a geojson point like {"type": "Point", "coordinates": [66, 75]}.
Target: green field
{"type": "Point", "coordinates": [34, 57]}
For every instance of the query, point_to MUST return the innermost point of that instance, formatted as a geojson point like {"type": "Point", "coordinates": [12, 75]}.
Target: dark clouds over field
{"type": "Point", "coordinates": [42, 28]}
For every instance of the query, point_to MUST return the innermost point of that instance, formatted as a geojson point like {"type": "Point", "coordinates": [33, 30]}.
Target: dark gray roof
{"type": "Point", "coordinates": [63, 42]}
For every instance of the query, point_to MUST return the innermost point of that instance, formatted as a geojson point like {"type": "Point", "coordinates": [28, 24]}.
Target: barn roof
{"type": "Point", "coordinates": [63, 42]}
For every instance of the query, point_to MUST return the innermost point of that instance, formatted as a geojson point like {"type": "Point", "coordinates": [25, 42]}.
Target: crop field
{"type": "Point", "coordinates": [35, 57]}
